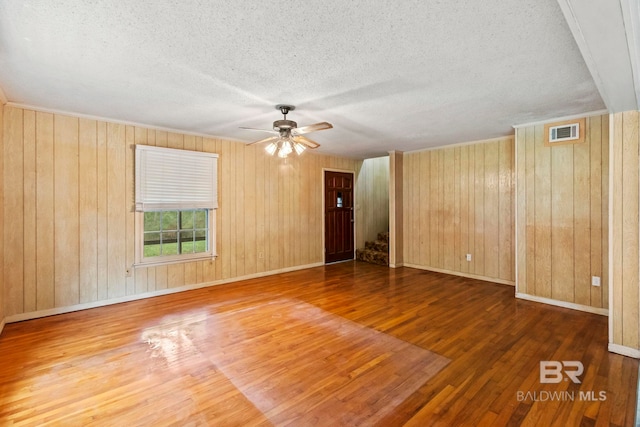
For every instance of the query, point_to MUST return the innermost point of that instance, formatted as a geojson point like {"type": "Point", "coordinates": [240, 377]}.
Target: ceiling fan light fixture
{"type": "Point", "coordinates": [271, 148]}
{"type": "Point", "coordinates": [285, 148]}
{"type": "Point", "coordinates": [289, 137]}
{"type": "Point", "coordinates": [299, 148]}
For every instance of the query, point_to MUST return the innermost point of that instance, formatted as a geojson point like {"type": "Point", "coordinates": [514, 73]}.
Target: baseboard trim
{"type": "Point", "coordinates": [458, 273]}
{"type": "Point", "coordinates": [563, 304]}
{"type": "Point", "coordinates": [95, 304]}
{"type": "Point", "coordinates": [397, 265]}
{"type": "Point", "coordinates": [625, 351]}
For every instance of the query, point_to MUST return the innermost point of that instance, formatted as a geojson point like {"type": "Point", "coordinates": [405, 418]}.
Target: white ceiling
{"type": "Point", "coordinates": [389, 75]}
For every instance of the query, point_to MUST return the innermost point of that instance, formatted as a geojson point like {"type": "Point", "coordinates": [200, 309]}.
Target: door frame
{"type": "Point", "coordinates": [324, 220]}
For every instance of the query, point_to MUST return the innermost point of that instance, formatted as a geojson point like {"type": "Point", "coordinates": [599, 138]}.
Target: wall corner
{"type": "Point", "coordinates": [2, 303]}
{"type": "Point", "coordinates": [396, 201]}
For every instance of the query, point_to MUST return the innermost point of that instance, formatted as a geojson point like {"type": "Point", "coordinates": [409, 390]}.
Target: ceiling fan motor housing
{"type": "Point", "coordinates": [284, 125]}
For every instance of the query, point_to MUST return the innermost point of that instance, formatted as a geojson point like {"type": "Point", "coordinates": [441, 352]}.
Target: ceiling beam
{"type": "Point", "coordinates": [631, 17]}
{"type": "Point", "coordinates": [604, 33]}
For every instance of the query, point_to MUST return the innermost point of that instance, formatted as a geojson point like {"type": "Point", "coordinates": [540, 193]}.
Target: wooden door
{"type": "Point", "coordinates": [338, 216]}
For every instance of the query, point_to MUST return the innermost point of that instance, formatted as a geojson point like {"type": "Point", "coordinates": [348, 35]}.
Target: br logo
{"type": "Point", "coordinates": [553, 372]}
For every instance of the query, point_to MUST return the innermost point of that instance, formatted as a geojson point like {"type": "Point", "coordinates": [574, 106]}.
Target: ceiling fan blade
{"type": "Point", "coordinates": [268, 139]}
{"type": "Point", "coordinates": [311, 128]}
{"type": "Point", "coordinates": [260, 130]}
{"type": "Point", "coordinates": [306, 141]}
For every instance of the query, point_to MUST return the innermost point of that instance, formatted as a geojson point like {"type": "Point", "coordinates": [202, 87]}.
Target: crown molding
{"type": "Point", "coordinates": [462, 144]}
{"type": "Point", "coordinates": [109, 120]}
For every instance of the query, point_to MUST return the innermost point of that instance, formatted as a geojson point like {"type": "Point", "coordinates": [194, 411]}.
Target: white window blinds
{"type": "Point", "coordinates": [170, 179]}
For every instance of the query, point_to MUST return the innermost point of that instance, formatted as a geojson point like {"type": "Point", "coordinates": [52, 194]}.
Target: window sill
{"type": "Point", "coordinates": [154, 262]}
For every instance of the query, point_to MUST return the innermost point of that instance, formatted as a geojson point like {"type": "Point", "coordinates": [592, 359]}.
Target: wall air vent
{"type": "Point", "coordinates": [569, 132]}
{"type": "Point", "coordinates": [564, 132]}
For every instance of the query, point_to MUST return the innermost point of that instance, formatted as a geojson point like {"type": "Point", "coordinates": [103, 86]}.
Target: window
{"type": "Point", "coordinates": [176, 199]}
{"type": "Point", "coordinates": [175, 232]}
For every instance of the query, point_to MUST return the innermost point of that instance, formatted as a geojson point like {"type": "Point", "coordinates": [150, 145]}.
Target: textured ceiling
{"type": "Point", "coordinates": [394, 75]}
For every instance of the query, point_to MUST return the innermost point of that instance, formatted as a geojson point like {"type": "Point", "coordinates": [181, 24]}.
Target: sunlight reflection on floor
{"type": "Point", "coordinates": [325, 369]}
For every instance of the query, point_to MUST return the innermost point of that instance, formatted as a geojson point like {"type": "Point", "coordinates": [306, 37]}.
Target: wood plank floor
{"type": "Point", "coordinates": [344, 344]}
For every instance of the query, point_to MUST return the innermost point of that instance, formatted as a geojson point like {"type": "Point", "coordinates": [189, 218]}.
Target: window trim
{"type": "Point", "coordinates": [141, 261]}
{"type": "Point", "coordinates": [138, 210]}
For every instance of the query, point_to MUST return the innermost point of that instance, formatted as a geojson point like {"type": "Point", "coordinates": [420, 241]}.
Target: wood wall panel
{"type": "Point", "coordinates": [472, 202]}
{"type": "Point", "coordinates": [541, 222]}
{"type": "Point", "coordinates": [66, 210]}
{"type": "Point", "coordinates": [116, 211]}
{"type": "Point", "coordinates": [528, 219]}
{"type": "Point", "coordinates": [562, 215]}
{"type": "Point", "coordinates": [625, 244]}
{"type": "Point", "coordinates": [523, 233]}
{"type": "Point", "coordinates": [491, 205]}
{"type": "Point", "coordinates": [582, 220]}
{"type": "Point", "coordinates": [102, 202]}
{"type": "Point", "coordinates": [617, 230]}
{"type": "Point", "coordinates": [478, 257]}
{"type": "Point", "coordinates": [562, 231]}
{"type": "Point", "coordinates": [29, 210]}
{"type": "Point", "coordinates": [434, 185]}
{"type": "Point", "coordinates": [397, 193]}
{"type": "Point", "coordinates": [45, 221]}
{"type": "Point", "coordinates": [599, 205]}
{"type": "Point", "coordinates": [250, 225]}
{"type": "Point", "coordinates": [425, 247]}
{"type": "Point", "coordinates": [13, 212]}
{"type": "Point", "coordinates": [130, 287]}
{"type": "Point", "coordinates": [2, 281]}
{"type": "Point", "coordinates": [88, 209]}
{"type": "Point", "coordinates": [448, 217]}
{"type": "Point", "coordinates": [68, 197]}
{"type": "Point", "coordinates": [630, 228]}
{"type": "Point", "coordinates": [459, 200]}
{"type": "Point", "coordinates": [463, 209]}
{"type": "Point", "coordinates": [605, 211]}
{"type": "Point", "coordinates": [141, 279]}
{"type": "Point", "coordinates": [506, 197]}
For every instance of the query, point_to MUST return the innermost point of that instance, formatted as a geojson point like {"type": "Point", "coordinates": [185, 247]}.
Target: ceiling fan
{"type": "Point", "coordinates": [288, 136]}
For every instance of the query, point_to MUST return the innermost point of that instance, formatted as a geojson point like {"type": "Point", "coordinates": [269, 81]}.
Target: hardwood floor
{"type": "Point", "coordinates": [344, 344]}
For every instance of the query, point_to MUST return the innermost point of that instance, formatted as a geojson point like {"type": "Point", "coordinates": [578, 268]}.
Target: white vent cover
{"type": "Point", "coordinates": [567, 132]}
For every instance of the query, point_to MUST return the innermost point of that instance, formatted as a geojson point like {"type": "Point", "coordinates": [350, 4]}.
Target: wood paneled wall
{"type": "Point", "coordinates": [625, 245]}
{"type": "Point", "coordinates": [2, 311]}
{"type": "Point", "coordinates": [372, 193]}
{"type": "Point", "coordinates": [396, 206]}
{"type": "Point", "coordinates": [562, 212]}
{"type": "Point", "coordinates": [459, 201]}
{"type": "Point", "coordinates": [69, 222]}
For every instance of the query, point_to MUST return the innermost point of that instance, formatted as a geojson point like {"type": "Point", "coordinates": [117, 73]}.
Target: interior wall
{"type": "Point", "coordinates": [396, 206]}
{"type": "Point", "coordinates": [624, 315]}
{"type": "Point", "coordinates": [2, 311]}
{"type": "Point", "coordinates": [372, 193]}
{"type": "Point", "coordinates": [562, 211]}
{"type": "Point", "coordinates": [69, 221]}
{"type": "Point", "coordinates": [459, 201]}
